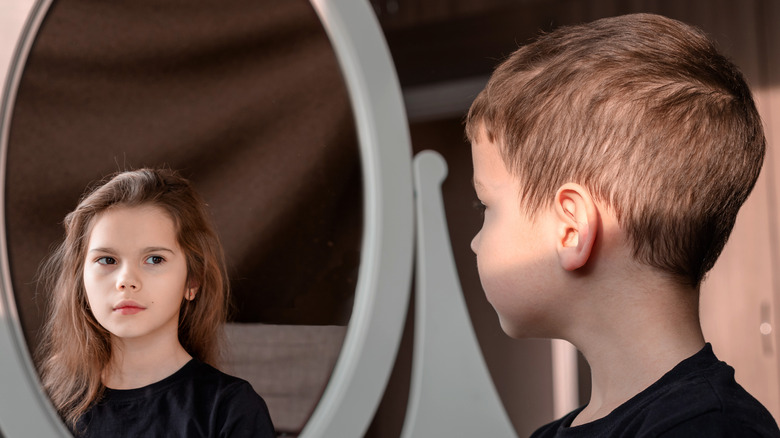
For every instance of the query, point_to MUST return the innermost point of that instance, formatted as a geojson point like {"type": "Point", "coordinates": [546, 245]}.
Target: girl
{"type": "Point", "coordinates": [138, 295]}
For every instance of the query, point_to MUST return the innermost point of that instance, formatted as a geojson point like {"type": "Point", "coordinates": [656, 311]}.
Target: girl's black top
{"type": "Point", "coordinates": [196, 401]}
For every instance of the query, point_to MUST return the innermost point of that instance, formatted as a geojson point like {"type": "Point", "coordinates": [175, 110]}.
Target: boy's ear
{"type": "Point", "coordinates": [578, 218]}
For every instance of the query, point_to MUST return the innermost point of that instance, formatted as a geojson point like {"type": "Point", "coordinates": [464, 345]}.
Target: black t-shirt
{"type": "Point", "coordinates": [196, 401]}
{"type": "Point", "coordinates": [697, 398]}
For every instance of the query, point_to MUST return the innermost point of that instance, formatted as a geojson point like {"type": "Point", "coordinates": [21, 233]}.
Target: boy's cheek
{"type": "Point", "coordinates": [497, 280]}
{"type": "Point", "coordinates": [500, 294]}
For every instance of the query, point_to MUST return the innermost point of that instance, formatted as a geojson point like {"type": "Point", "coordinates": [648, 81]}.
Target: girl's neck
{"type": "Point", "coordinates": [138, 363]}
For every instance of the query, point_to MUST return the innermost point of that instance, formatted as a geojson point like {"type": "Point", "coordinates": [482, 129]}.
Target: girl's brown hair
{"type": "Point", "coordinates": [75, 348]}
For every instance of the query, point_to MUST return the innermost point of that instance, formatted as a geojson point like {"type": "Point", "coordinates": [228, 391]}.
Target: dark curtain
{"type": "Point", "coordinates": [245, 98]}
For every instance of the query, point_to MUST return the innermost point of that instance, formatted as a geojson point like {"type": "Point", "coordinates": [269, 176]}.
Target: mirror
{"type": "Point", "coordinates": [248, 101]}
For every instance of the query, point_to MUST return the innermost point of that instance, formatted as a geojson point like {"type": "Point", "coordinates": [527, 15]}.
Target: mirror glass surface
{"type": "Point", "coordinates": [244, 98]}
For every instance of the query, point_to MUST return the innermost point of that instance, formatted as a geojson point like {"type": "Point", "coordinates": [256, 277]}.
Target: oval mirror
{"type": "Point", "coordinates": [300, 148]}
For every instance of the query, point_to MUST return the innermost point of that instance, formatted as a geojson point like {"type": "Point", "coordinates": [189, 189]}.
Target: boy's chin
{"type": "Point", "coordinates": [513, 330]}
{"type": "Point", "coordinates": [524, 331]}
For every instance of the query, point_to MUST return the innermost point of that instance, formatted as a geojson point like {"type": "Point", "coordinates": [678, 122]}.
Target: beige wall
{"type": "Point", "coordinates": [740, 297]}
{"type": "Point", "coordinates": [12, 14]}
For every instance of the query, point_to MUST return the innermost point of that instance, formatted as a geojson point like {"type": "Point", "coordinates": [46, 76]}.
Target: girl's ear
{"type": "Point", "coordinates": [189, 295]}
{"type": "Point", "coordinates": [578, 220]}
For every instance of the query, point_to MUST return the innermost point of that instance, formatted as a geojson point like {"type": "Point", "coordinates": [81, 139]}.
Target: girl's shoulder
{"type": "Point", "coordinates": [241, 411]}
{"type": "Point", "coordinates": [207, 377]}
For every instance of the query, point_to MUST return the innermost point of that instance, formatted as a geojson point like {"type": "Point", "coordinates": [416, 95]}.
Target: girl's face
{"type": "Point", "coordinates": [135, 274]}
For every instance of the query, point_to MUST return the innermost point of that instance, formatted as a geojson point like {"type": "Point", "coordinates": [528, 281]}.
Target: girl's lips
{"type": "Point", "coordinates": [128, 310]}
{"type": "Point", "coordinates": [127, 307]}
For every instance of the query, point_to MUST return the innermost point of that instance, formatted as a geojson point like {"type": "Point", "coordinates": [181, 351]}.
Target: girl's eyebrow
{"type": "Point", "coordinates": [100, 249]}
{"type": "Point", "coordinates": [145, 250]}
{"type": "Point", "coordinates": [158, 249]}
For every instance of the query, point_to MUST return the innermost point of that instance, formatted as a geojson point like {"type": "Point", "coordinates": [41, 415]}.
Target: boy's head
{"type": "Point", "coordinates": [643, 112]}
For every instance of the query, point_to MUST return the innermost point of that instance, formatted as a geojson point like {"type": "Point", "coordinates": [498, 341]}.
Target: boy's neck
{"type": "Point", "coordinates": [633, 338]}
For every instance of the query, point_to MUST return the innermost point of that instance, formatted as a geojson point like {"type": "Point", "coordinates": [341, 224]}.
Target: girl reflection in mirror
{"type": "Point", "coordinates": [138, 294]}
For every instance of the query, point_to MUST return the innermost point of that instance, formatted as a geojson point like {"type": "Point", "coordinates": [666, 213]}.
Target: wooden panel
{"type": "Point", "coordinates": [770, 104]}
{"type": "Point", "coordinates": [741, 293]}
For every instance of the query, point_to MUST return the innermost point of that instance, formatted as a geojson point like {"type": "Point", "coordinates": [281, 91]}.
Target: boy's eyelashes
{"type": "Point", "coordinates": [479, 205]}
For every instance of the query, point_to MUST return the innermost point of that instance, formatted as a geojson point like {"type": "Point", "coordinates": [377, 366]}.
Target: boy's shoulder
{"type": "Point", "coordinates": [698, 398]}
{"type": "Point", "coordinates": [702, 398]}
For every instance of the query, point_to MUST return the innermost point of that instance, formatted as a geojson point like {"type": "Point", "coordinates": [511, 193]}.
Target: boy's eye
{"type": "Point", "coordinates": [154, 260]}
{"type": "Point", "coordinates": [480, 206]}
{"type": "Point", "coordinates": [106, 260]}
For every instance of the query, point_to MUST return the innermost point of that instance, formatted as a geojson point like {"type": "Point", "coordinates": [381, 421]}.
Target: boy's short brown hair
{"type": "Point", "coordinates": [644, 112]}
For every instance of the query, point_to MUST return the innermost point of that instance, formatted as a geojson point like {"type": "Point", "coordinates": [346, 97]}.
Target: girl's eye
{"type": "Point", "coordinates": [154, 260]}
{"type": "Point", "coordinates": [106, 260]}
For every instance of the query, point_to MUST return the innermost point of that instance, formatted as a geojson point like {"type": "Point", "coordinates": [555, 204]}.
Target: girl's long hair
{"type": "Point", "coordinates": [75, 348]}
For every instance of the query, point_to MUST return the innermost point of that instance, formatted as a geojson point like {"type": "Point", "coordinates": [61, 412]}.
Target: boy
{"type": "Point", "coordinates": [611, 159]}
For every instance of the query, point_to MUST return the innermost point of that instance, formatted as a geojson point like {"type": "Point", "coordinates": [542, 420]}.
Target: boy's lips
{"type": "Point", "coordinates": [128, 307]}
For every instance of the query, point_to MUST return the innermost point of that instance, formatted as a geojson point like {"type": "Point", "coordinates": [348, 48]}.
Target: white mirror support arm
{"type": "Point", "coordinates": [450, 379]}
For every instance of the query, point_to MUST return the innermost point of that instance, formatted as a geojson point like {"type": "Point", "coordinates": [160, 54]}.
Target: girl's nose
{"type": "Point", "coordinates": [127, 284]}
{"type": "Point", "coordinates": [128, 281]}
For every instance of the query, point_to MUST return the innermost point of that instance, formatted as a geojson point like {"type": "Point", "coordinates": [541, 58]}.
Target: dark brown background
{"type": "Point", "coordinates": [245, 98]}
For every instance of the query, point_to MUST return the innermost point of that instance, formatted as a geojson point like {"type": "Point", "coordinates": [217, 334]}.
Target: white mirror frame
{"type": "Point", "coordinates": [382, 294]}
